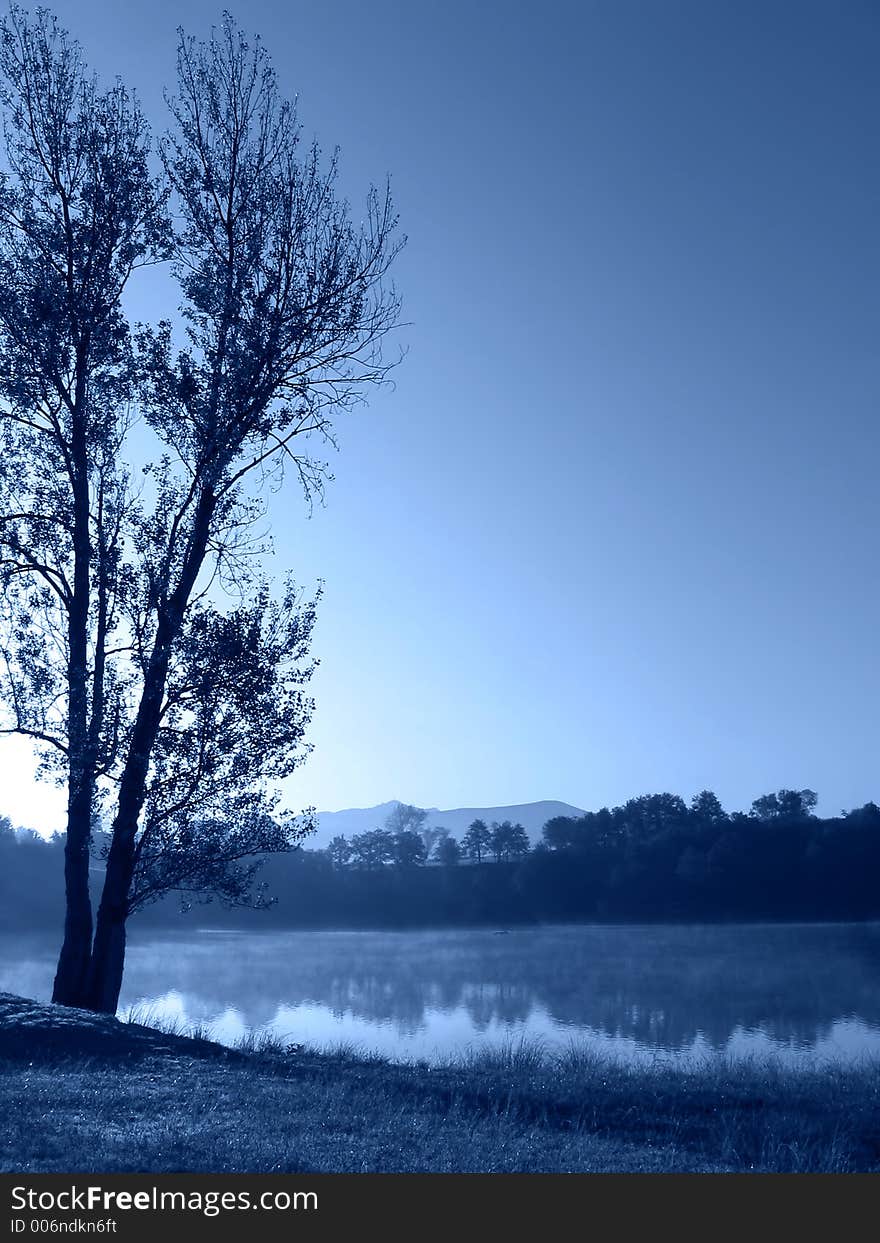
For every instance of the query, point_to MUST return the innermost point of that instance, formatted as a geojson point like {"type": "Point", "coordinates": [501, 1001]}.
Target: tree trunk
{"type": "Point", "coordinates": [108, 956]}
{"type": "Point", "coordinates": [108, 952]}
{"type": "Point", "coordinates": [71, 976]}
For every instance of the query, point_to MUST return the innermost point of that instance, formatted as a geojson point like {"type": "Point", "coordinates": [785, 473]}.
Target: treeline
{"type": "Point", "coordinates": [653, 858]}
{"type": "Point", "coordinates": [31, 879]}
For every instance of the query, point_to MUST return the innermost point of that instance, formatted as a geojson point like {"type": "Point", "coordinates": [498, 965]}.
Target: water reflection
{"type": "Point", "coordinates": [685, 992]}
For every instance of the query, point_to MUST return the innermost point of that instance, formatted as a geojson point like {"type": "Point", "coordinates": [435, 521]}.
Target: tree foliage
{"type": "Point", "coordinates": [409, 849]}
{"type": "Point", "coordinates": [508, 841]}
{"type": "Point", "coordinates": [476, 841]}
{"type": "Point", "coordinates": [405, 818]}
{"type": "Point", "coordinates": [785, 805]}
{"type": "Point", "coordinates": [373, 849]}
{"type": "Point", "coordinates": [447, 851]}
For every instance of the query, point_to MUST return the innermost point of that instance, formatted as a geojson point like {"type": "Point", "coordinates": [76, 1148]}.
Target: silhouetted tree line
{"type": "Point", "coordinates": [653, 858]}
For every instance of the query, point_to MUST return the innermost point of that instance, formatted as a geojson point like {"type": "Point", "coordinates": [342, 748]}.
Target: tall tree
{"type": "Point", "coordinates": [477, 841]}
{"type": "Point", "coordinates": [706, 808]}
{"type": "Point", "coordinates": [286, 307]}
{"type": "Point", "coordinates": [409, 849]}
{"type": "Point", "coordinates": [432, 837]}
{"type": "Point", "coordinates": [785, 805]}
{"type": "Point", "coordinates": [508, 841]}
{"type": "Point", "coordinates": [372, 850]}
{"type": "Point", "coordinates": [188, 710]}
{"type": "Point", "coordinates": [405, 818]}
{"type": "Point", "coordinates": [78, 213]}
{"type": "Point", "coordinates": [447, 851]}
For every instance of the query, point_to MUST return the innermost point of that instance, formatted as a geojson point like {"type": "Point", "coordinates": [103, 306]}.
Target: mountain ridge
{"type": "Point", "coordinates": [350, 820]}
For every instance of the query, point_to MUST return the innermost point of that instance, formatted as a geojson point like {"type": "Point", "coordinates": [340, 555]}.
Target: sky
{"type": "Point", "coordinates": [615, 528]}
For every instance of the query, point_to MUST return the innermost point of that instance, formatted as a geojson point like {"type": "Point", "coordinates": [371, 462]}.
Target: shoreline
{"type": "Point", "coordinates": [86, 1093]}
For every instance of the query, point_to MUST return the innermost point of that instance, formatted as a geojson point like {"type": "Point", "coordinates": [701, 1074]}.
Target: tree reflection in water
{"type": "Point", "coordinates": [661, 988]}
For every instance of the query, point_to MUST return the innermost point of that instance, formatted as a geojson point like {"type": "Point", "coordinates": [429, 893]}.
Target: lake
{"type": "Point", "coordinates": [804, 993]}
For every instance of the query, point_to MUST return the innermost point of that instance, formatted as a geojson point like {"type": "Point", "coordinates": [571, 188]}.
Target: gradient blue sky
{"type": "Point", "coordinates": [616, 529]}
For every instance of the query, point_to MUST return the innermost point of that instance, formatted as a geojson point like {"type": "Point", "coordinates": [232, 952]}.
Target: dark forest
{"type": "Point", "coordinates": [655, 858]}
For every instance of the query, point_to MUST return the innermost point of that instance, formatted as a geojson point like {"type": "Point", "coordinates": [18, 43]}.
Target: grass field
{"type": "Point", "coordinates": [86, 1094]}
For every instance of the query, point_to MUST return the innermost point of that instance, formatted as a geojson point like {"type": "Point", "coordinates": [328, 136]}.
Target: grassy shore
{"type": "Point", "coordinates": [85, 1094]}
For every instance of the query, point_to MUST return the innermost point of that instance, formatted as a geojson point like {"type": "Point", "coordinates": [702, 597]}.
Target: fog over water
{"type": "Point", "coordinates": [800, 992]}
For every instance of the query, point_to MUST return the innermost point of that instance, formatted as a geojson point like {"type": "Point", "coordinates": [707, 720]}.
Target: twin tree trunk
{"type": "Point", "coordinates": [108, 951]}
{"type": "Point", "coordinates": [73, 965]}
{"type": "Point", "coordinates": [72, 974]}
{"type": "Point", "coordinates": [90, 973]}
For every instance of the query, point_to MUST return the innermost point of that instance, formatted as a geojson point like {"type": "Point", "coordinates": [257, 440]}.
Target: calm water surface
{"type": "Point", "coordinates": [800, 992]}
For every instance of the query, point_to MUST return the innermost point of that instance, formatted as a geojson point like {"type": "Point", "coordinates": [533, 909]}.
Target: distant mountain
{"type": "Point", "coordinates": [532, 816]}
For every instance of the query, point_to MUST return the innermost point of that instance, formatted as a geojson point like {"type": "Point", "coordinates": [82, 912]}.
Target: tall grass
{"type": "Point", "coordinates": [518, 1105]}
{"type": "Point", "coordinates": [142, 1015]}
